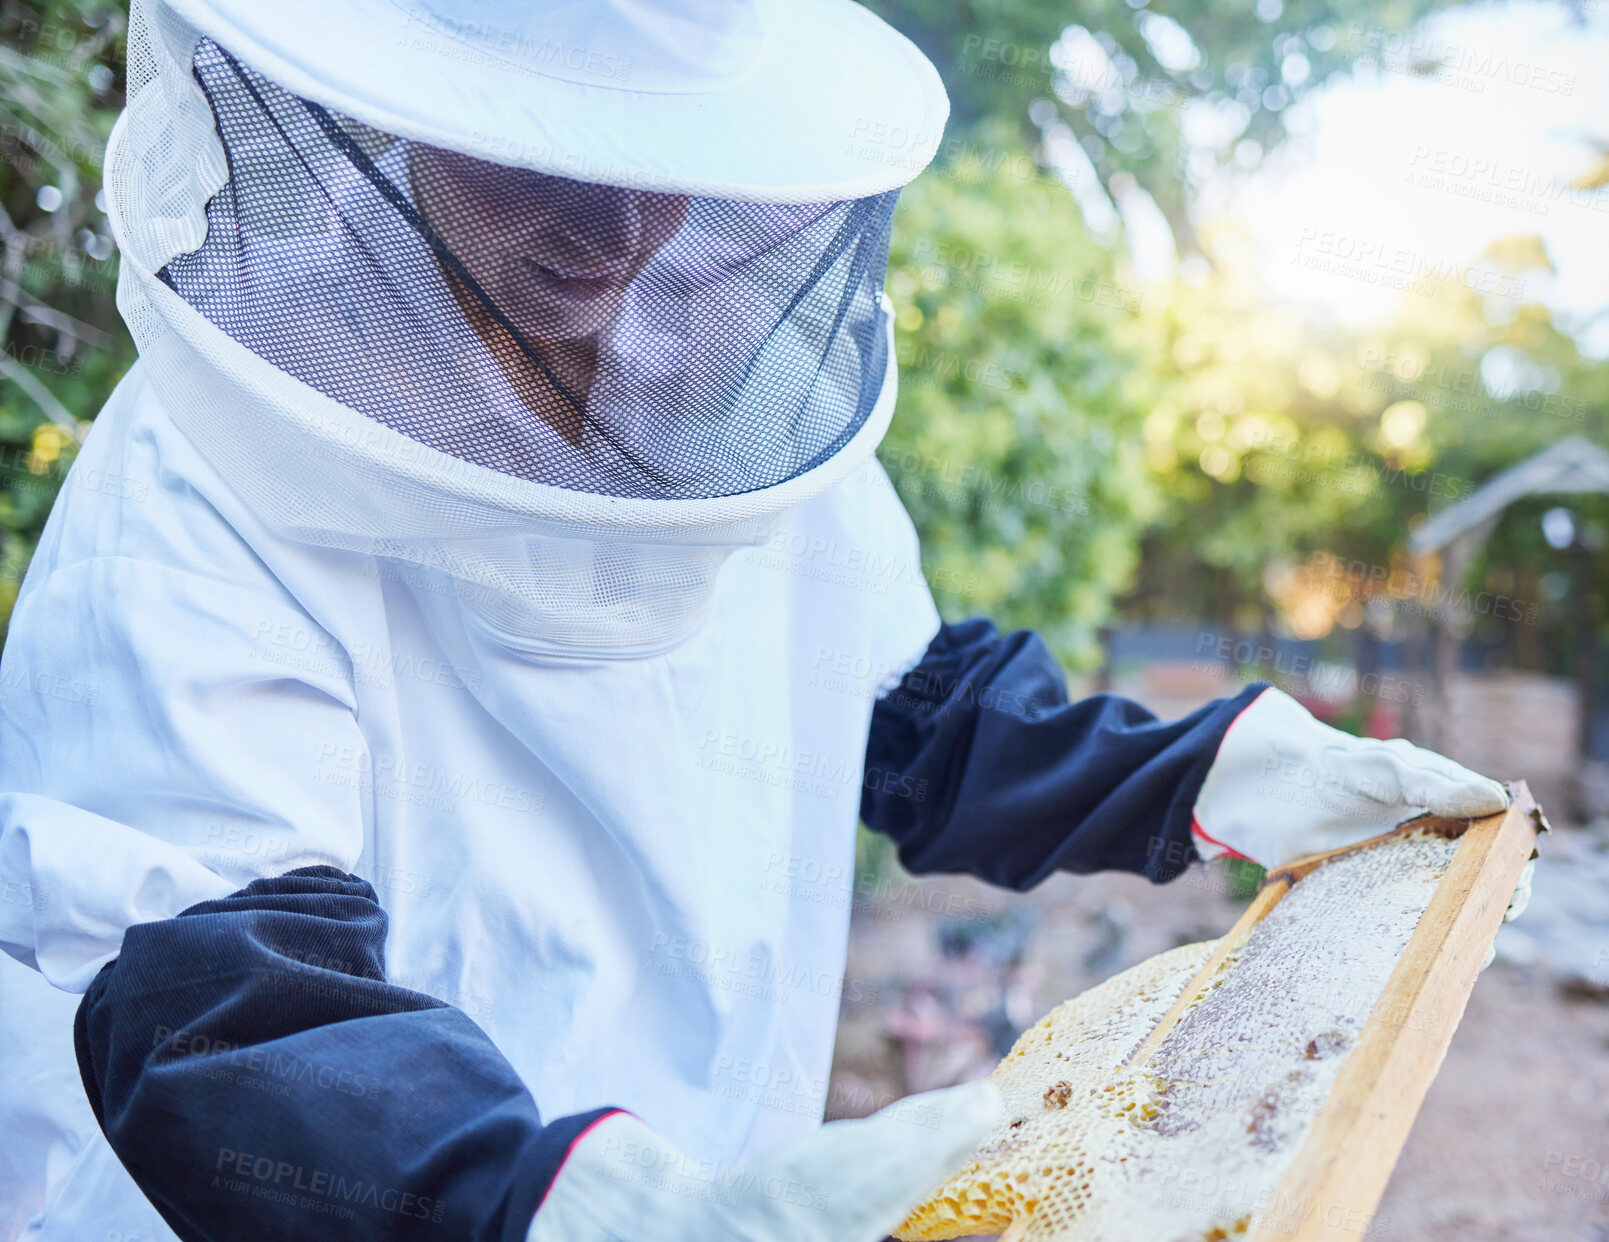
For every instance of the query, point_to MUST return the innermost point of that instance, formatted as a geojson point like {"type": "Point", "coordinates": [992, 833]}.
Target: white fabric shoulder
{"type": "Point", "coordinates": [158, 686]}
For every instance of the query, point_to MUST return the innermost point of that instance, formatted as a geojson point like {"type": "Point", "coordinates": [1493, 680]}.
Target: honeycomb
{"type": "Point", "coordinates": [1191, 1145]}
{"type": "Point", "coordinates": [1063, 1083]}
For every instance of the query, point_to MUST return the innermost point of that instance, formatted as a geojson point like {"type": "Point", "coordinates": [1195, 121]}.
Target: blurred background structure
{"type": "Point", "coordinates": [1238, 339]}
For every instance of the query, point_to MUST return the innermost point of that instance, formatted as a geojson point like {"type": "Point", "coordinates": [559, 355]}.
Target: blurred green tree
{"type": "Point", "coordinates": [1071, 445]}
{"type": "Point", "coordinates": [1274, 442]}
{"type": "Point", "coordinates": [1016, 442]}
{"type": "Point", "coordinates": [62, 345]}
{"type": "Point", "coordinates": [1125, 82]}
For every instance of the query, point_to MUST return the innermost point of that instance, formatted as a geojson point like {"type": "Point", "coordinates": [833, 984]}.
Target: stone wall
{"type": "Point", "coordinates": [1513, 725]}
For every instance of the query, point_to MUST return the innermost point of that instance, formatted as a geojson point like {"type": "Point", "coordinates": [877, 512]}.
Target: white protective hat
{"type": "Point", "coordinates": [784, 101]}
{"type": "Point", "coordinates": [418, 288]}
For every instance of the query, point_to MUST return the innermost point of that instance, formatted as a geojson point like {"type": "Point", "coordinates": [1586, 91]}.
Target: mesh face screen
{"type": "Point", "coordinates": [587, 337]}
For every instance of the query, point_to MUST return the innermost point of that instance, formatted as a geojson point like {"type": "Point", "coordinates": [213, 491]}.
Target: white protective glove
{"type": "Point", "coordinates": [849, 1181]}
{"type": "Point", "coordinates": [1284, 786]}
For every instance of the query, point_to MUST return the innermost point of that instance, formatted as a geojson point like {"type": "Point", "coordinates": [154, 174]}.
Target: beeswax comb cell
{"type": "Point", "coordinates": [1260, 1086]}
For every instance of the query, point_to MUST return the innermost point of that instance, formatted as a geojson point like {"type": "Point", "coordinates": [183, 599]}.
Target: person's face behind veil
{"type": "Point", "coordinates": [553, 256]}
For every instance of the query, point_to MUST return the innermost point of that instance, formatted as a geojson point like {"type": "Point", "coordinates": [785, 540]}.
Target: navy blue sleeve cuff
{"type": "Point", "coordinates": [260, 1079]}
{"type": "Point", "coordinates": [978, 762]}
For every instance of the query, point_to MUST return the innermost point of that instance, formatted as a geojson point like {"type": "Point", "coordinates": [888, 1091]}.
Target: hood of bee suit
{"type": "Point", "coordinates": [564, 300]}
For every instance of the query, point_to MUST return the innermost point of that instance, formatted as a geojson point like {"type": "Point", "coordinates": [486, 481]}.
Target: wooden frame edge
{"type": "Point", "coordinates": [1485, 860]}
{"type": "Point", "coordinates": [1331, 1189]}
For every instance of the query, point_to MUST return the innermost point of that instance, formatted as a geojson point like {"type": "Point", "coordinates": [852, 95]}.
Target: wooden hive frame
{"type": "Point", "coordinates": [1333, 1185]}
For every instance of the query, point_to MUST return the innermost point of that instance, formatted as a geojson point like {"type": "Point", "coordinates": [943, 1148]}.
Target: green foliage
{"type": "Point", "coordinates": [1276, 443]}
{"type": "Point", "coordinates": [62, 346]}
{"type": "Point", "coordinates": [1070, 449]}
{"type": "Point", "coordinates": [1240, 66]}
{"type": "Point", "coordinates": [1263, 443]}
{"type": "Point", "coordinates": [1243, 878]}
{"type": "Point", "coordinates": [1015, 444]}
{"type": "Point", "coordinates": [1255, 436]}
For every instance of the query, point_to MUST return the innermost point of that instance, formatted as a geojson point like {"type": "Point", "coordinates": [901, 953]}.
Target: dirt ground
{"type": "Point", "coordinates": [1512, 1144]}
{"type": "Point", "coordinates": [1513, 1141]}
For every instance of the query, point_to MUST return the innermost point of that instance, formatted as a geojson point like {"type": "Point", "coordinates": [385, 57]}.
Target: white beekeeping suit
{"type": "Point", "coordinates": [437, 714]}
{"type": "Point", "coordinates": [495, 495]}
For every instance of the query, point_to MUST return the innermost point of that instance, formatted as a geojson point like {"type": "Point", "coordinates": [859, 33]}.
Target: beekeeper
{"type": "Point", "coordinates": [429, 775]}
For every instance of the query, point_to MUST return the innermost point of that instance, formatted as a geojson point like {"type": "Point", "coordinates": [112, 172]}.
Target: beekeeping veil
{"type": "Point", "coordinates": [561, 300]}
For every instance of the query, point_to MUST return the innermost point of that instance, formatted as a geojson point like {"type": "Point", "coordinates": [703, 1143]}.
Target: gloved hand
{"type": "Point", "coordinates": [1284, 786]}
{"type": "Point", "coordinates": [850, 1181]}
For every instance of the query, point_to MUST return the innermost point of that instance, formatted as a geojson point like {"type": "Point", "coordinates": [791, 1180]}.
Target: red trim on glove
{"type": "Point", "coordinates": [596, 1122]}
{"type": "Point", "coordinates": [1196, 830]}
